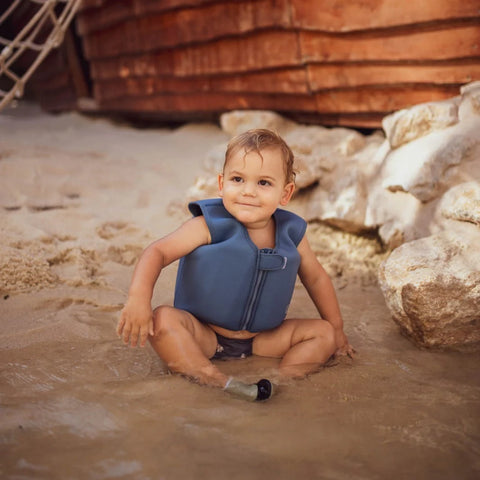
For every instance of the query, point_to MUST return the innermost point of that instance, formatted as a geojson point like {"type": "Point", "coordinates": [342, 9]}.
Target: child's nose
{"type": "Point", "coordinates": [249, 189]}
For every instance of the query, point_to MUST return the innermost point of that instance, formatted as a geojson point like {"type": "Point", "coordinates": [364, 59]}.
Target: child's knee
{"type": "Point", "coordinates": [168, 320]}
{"type": "Point", "coordinates": [163, 319]}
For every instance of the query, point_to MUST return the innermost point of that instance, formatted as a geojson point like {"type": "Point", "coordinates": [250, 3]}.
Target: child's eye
{"type": "Point", "coordinates": [236, 179]}
{"type": "Point", "coordinates": [264, 183]}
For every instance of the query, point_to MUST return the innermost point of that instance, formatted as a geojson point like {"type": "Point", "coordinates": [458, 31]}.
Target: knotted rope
{"type": "Point", "coordinates": [32, 38]}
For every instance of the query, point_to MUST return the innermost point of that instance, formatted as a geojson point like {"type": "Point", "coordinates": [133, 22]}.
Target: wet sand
{"type": "Point", "coordinates": [79, 200]}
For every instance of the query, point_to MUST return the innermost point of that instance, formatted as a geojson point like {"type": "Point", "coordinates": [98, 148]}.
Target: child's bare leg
{"type": "Point", "coordinates": [185, 345]}
{"type": "Point", "coordinates": [304, 345]}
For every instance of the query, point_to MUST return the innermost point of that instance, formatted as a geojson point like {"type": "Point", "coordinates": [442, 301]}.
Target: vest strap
{"type": "Point", "coordinates": [271, 261]}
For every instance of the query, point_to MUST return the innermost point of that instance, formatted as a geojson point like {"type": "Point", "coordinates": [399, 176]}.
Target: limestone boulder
{"type": "Point", "coordinates": [432, 288]}
{"type": "Point", "coordinates": [204, 187]}
{"type": "Point", "coordinates": [341, 203]}
{"type": "Point", "coordinates": [462, 203]}
{"type": "Point", "coordinates": [398, 216]}
{"type": "Point", "coordinates": [428, 166]}
{"type": "Point", "coordinates": [314, 153]}
{"type": "Point", "coordinates": [319, 151]}
{"type": "Point", "coordinates": [340, 196]}
{"type": "Point", "coordinates": [404, 196]}
{"type": "Point", "coordinates": [239, 121]}
{"type": "Point", "coordinates": [409, 124]}
{"type": "Point", "coordinates": [470, 103]}
{"type": "Point", "coordinates": [215, 159]}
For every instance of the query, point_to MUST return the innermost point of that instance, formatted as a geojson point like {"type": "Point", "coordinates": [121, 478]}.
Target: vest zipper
{"type": "Point", "coordinates": [249, 311]}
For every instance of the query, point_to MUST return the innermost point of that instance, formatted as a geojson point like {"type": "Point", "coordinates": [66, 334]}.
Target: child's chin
{"type": "Point", "coordinates": [247, 217]}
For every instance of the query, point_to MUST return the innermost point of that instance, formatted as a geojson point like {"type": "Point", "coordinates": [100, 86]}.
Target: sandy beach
{"type": "Point", "coordinates": [80, 198]}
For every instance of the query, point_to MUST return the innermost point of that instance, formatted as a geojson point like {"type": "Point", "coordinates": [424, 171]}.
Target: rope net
{"type": "Point", "coordinates": [44, 29]}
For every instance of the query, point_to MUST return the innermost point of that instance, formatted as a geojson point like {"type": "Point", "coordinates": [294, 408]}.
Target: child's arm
{"type": "Point", "coordinates": [321, 291]}
{"type": "Point", "coordinates": [136, 317]}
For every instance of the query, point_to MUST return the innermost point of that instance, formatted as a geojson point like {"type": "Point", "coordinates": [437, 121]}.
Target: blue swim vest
{"type": "Point", "coordinates": [233, 284]}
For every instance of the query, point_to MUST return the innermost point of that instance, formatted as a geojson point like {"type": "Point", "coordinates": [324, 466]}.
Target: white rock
{"type": "Point", "coordinates": [215, 159]}
{"type": "Point", "coordinates": [239, 121]}
{"type": "Point", "coordinates": [313, 153]}
{"type": "Point", "coordinates": [429, 165]}
{"type": "Point", "coordinates": [432, 288]}
{"type": "Point", "coordinates": [341, 195]}
{"type": "Point", "coordinates": [343, 204]}
{"type": "Point", "coordinates": [204, 187]}
{"type": "Point", "coordinates": [462, 203]}
{"type": "Point", "coordinates": [351, 142]}
{"type": "Point", "coordinates": [470, 103]}
{"type": "Point", "coordinates": [409, 124]}
{"type": "Point", "coordinates": [395, 215]}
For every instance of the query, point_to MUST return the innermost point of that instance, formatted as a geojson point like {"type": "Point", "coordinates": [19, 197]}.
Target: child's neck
{"type": "Point", "coordinates": [263, 236]}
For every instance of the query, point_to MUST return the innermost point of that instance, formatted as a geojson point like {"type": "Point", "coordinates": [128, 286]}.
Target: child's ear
{"type": "Point", "coordinates": [288, 190]}
{"type": "Point", "coordinates": [220, 184]}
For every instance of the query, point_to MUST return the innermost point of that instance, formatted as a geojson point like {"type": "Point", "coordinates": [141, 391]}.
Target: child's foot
{"type": "Point", "coordinates": [262, 390]}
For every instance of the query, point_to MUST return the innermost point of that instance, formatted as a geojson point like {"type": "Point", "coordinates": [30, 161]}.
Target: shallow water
{"type": "Point", "coordinates": [76, 403]}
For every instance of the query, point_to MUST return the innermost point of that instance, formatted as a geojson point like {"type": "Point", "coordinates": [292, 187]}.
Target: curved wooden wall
{"type": "Point", "coordinates": [329, 61]}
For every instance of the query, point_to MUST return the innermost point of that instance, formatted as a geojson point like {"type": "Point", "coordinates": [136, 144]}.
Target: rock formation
{"type": "Point", "coordinates": [432, 284]}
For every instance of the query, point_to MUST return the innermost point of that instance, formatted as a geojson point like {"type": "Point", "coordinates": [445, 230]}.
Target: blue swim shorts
{"type": "Point", "coordinates": [232, 347]}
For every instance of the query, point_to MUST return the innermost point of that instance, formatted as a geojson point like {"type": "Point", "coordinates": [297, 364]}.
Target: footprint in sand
{"type": "Point", "coordinates": [109, 230]}
{"type": "Point", "coordinates": [122, 253]}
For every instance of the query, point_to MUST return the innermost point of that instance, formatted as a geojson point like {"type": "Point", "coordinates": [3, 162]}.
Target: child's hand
{"type": "Point", "coordinates": [343, 347]}
{"type": "Point", "coordinates": [135, 323]}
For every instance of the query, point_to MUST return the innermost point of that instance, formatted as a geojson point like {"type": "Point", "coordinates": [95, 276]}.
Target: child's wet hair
{"type": "Point", "coordinates": [260, 139]}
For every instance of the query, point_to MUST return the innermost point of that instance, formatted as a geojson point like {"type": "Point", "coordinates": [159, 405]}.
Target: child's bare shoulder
{"type": "Point", "coordinates": [196, 227]}
{"type": "Point", "coordinates": [190, 235]}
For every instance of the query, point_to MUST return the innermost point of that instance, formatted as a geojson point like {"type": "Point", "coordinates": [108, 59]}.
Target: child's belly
{"type": "Point", "coordinates": [239, 334]}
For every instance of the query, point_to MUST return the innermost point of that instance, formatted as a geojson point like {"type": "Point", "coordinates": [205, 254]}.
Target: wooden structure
{"type": "Point", "coordinates": [332, 62]}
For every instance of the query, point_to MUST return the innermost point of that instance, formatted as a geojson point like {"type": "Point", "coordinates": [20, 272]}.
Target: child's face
{"type": "Point", "coordinates": [252, 188]}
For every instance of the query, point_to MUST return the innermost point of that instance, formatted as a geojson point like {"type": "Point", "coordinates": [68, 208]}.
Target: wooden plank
{"type": "Point", "coordinates": [200, 16]}
{"type": "Point", "coordinates": [370, 120]}
{"type": "Point", "coordinates": [143, 6]}
{"type": "Point", "coordinates": [321, 15]}
{"type": "Point", "coordinates": [72, 60]}
{"type": "Point", "coordinates": [99, 14]}
{"type": "Point", "coordinates": [351, 101]}
{"type": "Point", "coordinates": [58, 100]}
{"type": "Point", "coordinates": [51, 83]}
{"type": "Point", "coordinates": [386, 99]}
{"type": "Point", "coordinates": [398, 45]}
{"type": "Point", "coordinates": [257, 52]}
{"type": "Point", "coordinates": [53, 64]}
{"type": "Point", "coordinates": [293, 81]}
{"type": "Point", "coordinates": [276, 81]}
{"type": "Point", "coordinates": [54, 89]}
{"type": "Point", "coordinates": [183, 27]}
{"type": "Point", "coordinates": [210, 102]}
{"type": "Point", "coordinates": [341, 75]}
{"type": "Point", "coordinates": [348, 16]}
